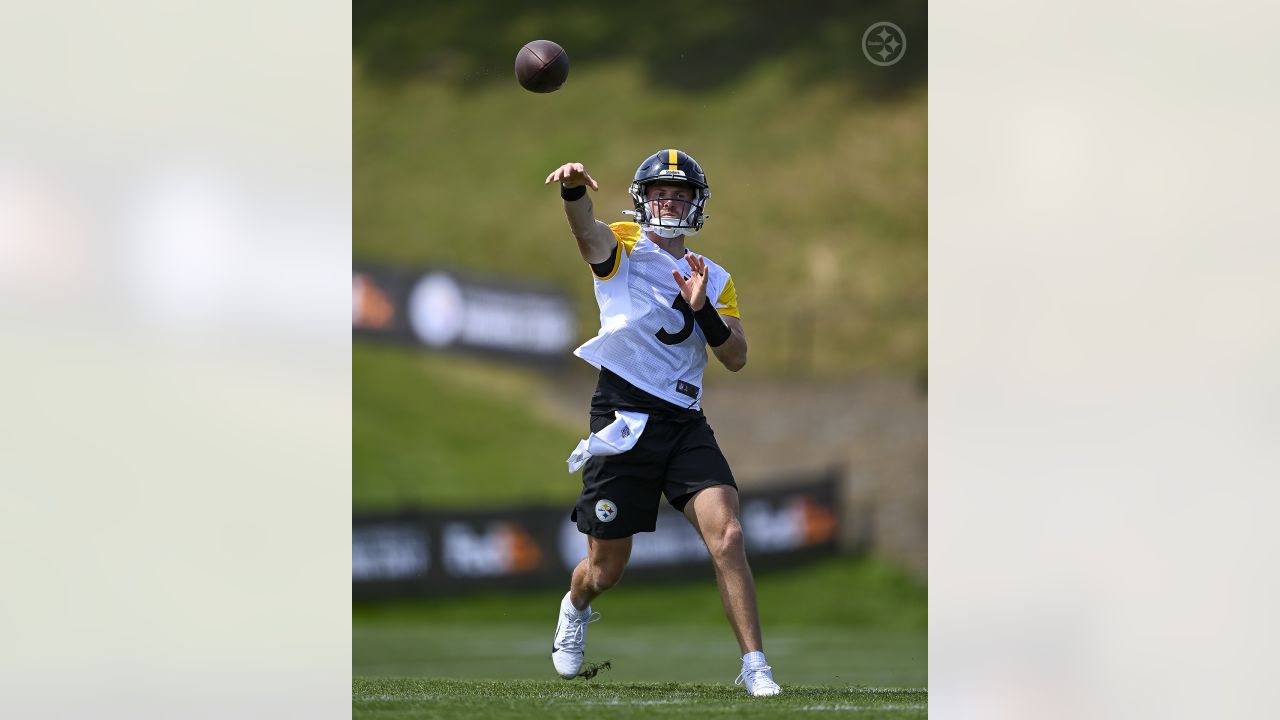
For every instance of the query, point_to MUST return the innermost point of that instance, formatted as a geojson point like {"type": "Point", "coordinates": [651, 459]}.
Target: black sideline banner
{"type": "Point", "coordinates": [423, 553]}
{"type": "Point", "coordinates": [446, 311]}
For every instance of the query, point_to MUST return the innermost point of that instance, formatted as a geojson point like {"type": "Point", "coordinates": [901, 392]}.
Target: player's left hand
{"type": "Point", "coordinates": [694, 289]}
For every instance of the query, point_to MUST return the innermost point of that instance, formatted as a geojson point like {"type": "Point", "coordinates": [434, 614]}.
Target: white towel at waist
{"type": "Point", "coordinates": [616, 438]}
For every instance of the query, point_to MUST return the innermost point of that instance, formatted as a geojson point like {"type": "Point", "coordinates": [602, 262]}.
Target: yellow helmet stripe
{"type": "Point", "coordinates": [671, 160]}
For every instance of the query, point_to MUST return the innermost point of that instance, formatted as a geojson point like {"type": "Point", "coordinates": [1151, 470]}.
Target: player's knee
{"type": "Point", "coordinates": [729, 541]}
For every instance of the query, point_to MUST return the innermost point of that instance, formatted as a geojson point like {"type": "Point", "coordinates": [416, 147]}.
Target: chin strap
{"type": "Point", "coordinates": [668, 232]}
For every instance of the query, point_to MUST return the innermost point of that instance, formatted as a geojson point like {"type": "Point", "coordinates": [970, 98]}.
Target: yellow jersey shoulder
{"type": "Point", "coordinates": [628, 234]}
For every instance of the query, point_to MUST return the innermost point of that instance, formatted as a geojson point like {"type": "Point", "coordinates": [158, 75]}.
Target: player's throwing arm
{"type": "Point", "coordinates": [595, 240]}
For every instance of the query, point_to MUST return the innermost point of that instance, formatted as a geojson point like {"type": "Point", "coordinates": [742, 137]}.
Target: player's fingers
{"type": "Point", "coordinates": [679, 279]}
{"type": "Point", "coordinates": [591, 181]}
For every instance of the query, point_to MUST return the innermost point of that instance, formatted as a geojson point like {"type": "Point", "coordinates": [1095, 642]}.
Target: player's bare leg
{"type": "Point", "coordinates": [714, 514]}
{"type": "Point", "coordinates": [599, 571]}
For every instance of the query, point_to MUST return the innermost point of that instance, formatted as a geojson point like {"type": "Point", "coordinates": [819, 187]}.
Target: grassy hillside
{"type": "Point", "coordinates": [441, 431]}
{"type": "Point", "coordinates": [819, 205]}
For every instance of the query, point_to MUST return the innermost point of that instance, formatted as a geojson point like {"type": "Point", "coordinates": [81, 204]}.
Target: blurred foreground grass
{"type": "Point", "coordinates": [840, 621]}
{"type": "Point", "coordinates": [839, 591]}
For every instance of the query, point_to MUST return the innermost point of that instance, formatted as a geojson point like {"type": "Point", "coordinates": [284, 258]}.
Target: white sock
{"type": "Point", "coordinates": [754, 658]}
{"type": "Point", "coordinates": [569, 601]}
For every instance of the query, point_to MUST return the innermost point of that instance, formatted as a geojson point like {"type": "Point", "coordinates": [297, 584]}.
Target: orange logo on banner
{"type": "Point", "coordinates": [524, 552]}
{"type": "Point", "coordinates": [370, 306]}
{"type": "Point", "coordinates": [819, 523]}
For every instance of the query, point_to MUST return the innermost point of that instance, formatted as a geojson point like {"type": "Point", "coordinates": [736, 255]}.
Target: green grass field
{"type": "Point", "coordinates": [395, 698]}
{"type": "Point", "coordinates": [842, 634]}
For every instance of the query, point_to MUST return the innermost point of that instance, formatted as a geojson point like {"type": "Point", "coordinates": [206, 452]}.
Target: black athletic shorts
{"type": "Point", "coordinates": [676, 456]}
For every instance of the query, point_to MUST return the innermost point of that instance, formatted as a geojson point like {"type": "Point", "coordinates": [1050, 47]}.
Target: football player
{"type": "Point", "coordinates": [661, 306]}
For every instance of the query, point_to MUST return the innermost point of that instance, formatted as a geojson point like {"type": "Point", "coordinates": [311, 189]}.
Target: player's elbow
{"type": "Point", "coordinates": [735, 363]}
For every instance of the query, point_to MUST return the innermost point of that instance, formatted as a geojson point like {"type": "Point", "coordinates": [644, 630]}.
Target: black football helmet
{"type": "Point", "coordinates": [671, 166]}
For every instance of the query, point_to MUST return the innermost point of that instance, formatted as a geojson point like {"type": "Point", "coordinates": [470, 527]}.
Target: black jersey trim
{"type": "Point", "coordinates": [606, 268]}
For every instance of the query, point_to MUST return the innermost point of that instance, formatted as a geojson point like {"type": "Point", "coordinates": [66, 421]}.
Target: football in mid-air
{"type": "Point", "coordinates": [542, 66]}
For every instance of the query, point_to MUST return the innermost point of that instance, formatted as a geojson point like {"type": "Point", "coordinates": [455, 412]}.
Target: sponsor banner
{"type": "Point", "coordinates": [390, 552]}
{"type": "Point", "coordinates": [414, 553]}
{"type": "Point", "coordinates": [377, 303]}
{"type": "Point", "coordinates": [443, 310]}
{"type": "Point", "coordinates": [419, 553]}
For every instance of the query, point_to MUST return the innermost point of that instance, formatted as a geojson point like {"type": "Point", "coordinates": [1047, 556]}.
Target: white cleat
{"type": "Point", "coordinates": [758, 679]}
{"type": "Point", "coordinates": [569, 645]}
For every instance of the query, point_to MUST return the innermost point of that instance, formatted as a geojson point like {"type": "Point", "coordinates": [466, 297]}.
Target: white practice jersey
{"type": "Point", "coordinates": [647, 332]}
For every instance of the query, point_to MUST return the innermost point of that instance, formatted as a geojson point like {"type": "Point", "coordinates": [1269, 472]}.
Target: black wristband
{"type": "Point", "coordinates": [713, 326]}
{"type": "Point", "coordinates": [573, 193]}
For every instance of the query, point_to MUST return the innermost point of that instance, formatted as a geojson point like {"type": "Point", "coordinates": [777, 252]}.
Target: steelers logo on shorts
{"type": "Point", "coordinates": [606, 510]}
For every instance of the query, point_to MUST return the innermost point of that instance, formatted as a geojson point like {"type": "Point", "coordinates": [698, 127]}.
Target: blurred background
{"type": "Point", "coordinates": [817, 159]}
